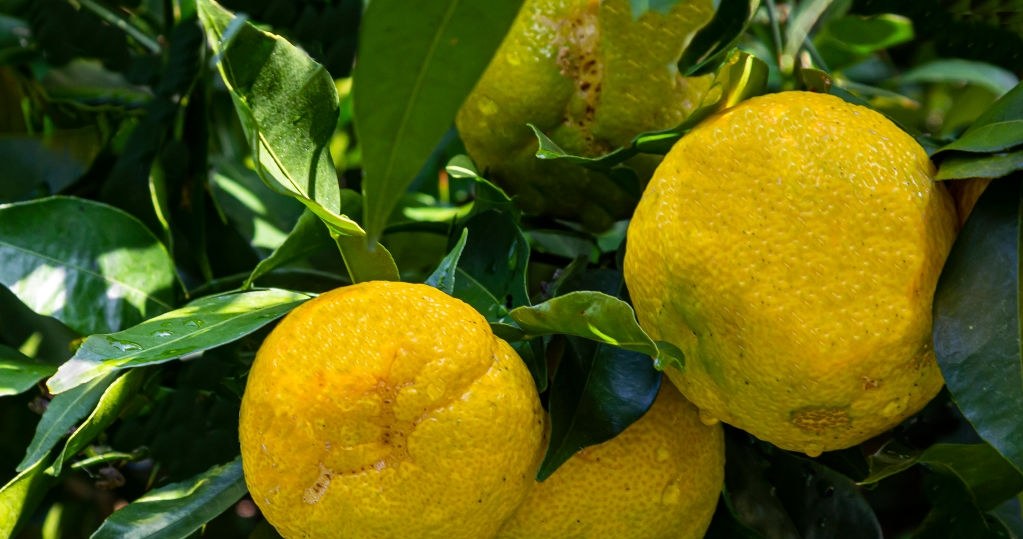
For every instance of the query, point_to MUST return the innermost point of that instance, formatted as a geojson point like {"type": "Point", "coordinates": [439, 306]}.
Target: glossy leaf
{"type": "Point", "coordinates": [20, 496]}
{"type": "Point", "coordinates": [491, 272]}
{"type": "Point", "coordinates": [443, 278]}
{"type": "Point", "coordinates": [202, 324]}
{"type": "Point", "coordinates": [958, 71]}
{"type": "Point", "coordinates": [177, 510]}
{"type": "Point", "coordinates": [412, 75]}
{"type": "Point", "coordinates": [866, 35]}
{"type": "Point", "coordinates": [977, 320]}
{"type": "Point", "coordinates": [269, 80]}
{"type": "Point", "coordinates": [954, 513]}
{"type": "Point", "coordinates": [597, 392]}
{"type": "Point", "coordinates": [716, 41]}
{"type": "Point", "coordinates": [591, 315]}
{"type": "Point", "coordinates": [260, 215]}
{"type": "Point", "coordinates": [19, 373]}
{"type": "Point", "coordinates": [107, 409]}
{"type": "Point", "coordinates": [983, 166]}
{"type": "Point", "coordinates": [61, 414]}
{"type": "Point", "coordinates": [106, 272]}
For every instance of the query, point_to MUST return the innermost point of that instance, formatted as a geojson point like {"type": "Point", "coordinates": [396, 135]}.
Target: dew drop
{"type": "Point", "coordinates": [487, 106]}
{"type": "Point", "coordinates": [813, 450]}
{"type": "Point", "coordinates": [663, 454]}
{"type": "Point", "coordinates": [708, 419]}
{"type": "Point", "coordinates": [162, 333]}
{"type": "Point", "coordinates": [125, 346]}
{"type": "Point", "coordinates": [671, 494]}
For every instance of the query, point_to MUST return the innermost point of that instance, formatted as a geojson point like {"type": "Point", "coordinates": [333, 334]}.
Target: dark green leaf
{"type": "Point", "coordinates": [176, 510]}
{"type": "Point", "coordinates": [597, 392]}
{"type": "Point", "coordinates": [954, 513]}
{"type": "Point", "coordinates": [412, 75]}
{"type": "Point", "coordinates": [717, 40]}
{"type": "Point", "coordinates": [816, 80]}
{"type": "Point", "coordinates": [977, 320]}
{"type": "Point", "coordinates": [443, 278]}
{"type": "Point", "coordinates": [980, 166]}
{"type": "Point", "coordinates": [106, 411]}
{"type": "Point", "coordinates": [107, 271]}
{"type": "Point", "coordinates": [19, 373]}
{"type": "Point", "coordinates": [491, 273]}
{"type": "Point", "coordinates": [591, 315]}
{"type": "Point", "coordinates": [260, 215]}
{"type": "Point", "coordinates": [202, 324]}
{"type": "Point", "coordinates": [61, 414]}
{"type": "Point", "coordinates": [20, 496]}
{"type": "Point", "coordinates": [488, 196]}
{"type": "Point", "coordinates": [958, 71]}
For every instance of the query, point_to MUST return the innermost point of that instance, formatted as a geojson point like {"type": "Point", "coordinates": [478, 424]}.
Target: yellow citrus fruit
{"type": "Point", "coordinates": [388, 409]}
{"type": "Point", "coordinates": [790, 247]}
{"type": "Point", "coordinates": [591, 77]}
{"type": "Point", "coordinates": [659, 478]}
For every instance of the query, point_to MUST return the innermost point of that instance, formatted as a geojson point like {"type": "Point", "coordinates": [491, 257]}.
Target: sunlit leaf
{"type": "Point", "coordinates": [106, 272]}
{"type": "Point", "coordinates": [20, 496]}
{"type": "Point", "coordinates": [202, 324]}
{"type": "Point", "coordinates": [716, 41]}
{"type": "Point", "coordinates": [19, 373]}
{"type": "Point", "coordinates": [977, 320]}
{"type": "Point", "coordinates": [177, 510]}
{"type": "Point", "coordinates": [958, 71]}
{"type": "Point", "coordinates": [412, 75]}
{"type": "Point", "coordinates": [308, 236]}
{"type": "Point", "coordinates": [1000, 127]}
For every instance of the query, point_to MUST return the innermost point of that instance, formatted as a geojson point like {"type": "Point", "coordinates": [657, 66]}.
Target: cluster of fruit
{"type": "Point", "coordinates": [789, 246]}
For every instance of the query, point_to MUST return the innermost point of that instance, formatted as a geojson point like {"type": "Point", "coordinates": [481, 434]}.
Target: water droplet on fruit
{"type": "Point", "coordinates": [663, 454]}
{"type": "Point", "coordinates": [813, 450]}
{"type": "Point", "coordinates": [671, 495]}
{"type": "Point", "coordinates": [708, 419]}
{"type": "Point", "coordinates": [487, 106]}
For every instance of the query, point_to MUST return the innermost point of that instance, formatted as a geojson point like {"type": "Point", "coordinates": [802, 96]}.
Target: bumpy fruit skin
{"type": "Point", "coordinates": [659, 479]}
{"type": "Point", "coordinates": [388, 410]}
{"type": "Point", "coordinates": [590, 77]}
{"type": "Point", "coordinates": [790, 246]}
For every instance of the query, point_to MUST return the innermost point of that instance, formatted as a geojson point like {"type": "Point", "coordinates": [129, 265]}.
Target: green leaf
{"type": "Point", "coordinates": [106, 411]}
{"type": "Point", "coordinates": [19, 497]}
{"type": "Point", "coordinates": [91, 266]}
{"type": "Point", "coordinates": [591, 315]}
{"type": "Point", "coordinates": [443, 278]}
{"type": "Point", "coordinates": [202, 324]}
{"type": "Point", "coordinates": [19, 373]}
{"type": "Point", "coordinates": [308, 236]}
{"type": "Point", "coordinates": [597, 392]}
{"type": "Point", "coordinates": [714, 42]}
{"type": "Point", "coordinates": [998, 128]}
{"type": "Point", "coordinates": [954, 513]}
{"type": "Point", "coordinates": [977, 320]}
{"type": "Point", "coordinates": [991, 137]}
{"type": "Point", "coordinates": [177, 510]}
{"type": "Point", "coordinates": [990, 479]}
{"type": "Point", "coordinates": [958, 71]}
{"type": "Point", "coordinates": [491, 272]}
{"type": "Point", "coordinates": [867, 35]}
{"type": "Point", "coordinates": [61, 414]}
{"type": "Point", "coordinates": [412, 75]}
{"type": "Point", "coordinates": [996, 165]}
{"type": "Point", "coordinates": [260, 215]}
{"type": "Point", "coordinates": [288, 107]}
{"type": "Point", "coordinates": [487, 196]}
{"type": "Point", "coordinates": [639, 7]}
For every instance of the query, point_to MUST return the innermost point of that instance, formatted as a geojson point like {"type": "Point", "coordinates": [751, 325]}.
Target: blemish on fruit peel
{"type": "Point", "coordinates": [707, 419]}
{"type": "Point", "coordinates": [671, 494]}
{"type": "Point", "coordinates": [315, 493]}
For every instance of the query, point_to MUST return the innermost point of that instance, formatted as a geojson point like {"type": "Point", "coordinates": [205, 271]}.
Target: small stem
{"type": "Point", "coordinates": [113, 19]}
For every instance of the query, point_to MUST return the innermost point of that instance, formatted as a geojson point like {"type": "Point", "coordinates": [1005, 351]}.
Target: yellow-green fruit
{"type": "Point", "coordinates": [388, 410]}
{"type": "Point", "coordinates": [659, 478]}
{"type": "Point", "coordinates": [790, 246]}
{"type": "Point", "coordinates": [590, 77]}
